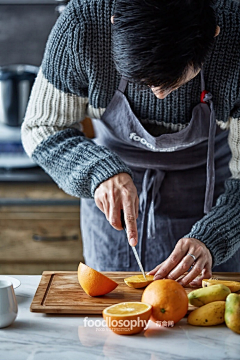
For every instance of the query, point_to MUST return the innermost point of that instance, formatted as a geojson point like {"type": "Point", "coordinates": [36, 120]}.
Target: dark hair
{"type": "Point", "coordinates": [155, 41]}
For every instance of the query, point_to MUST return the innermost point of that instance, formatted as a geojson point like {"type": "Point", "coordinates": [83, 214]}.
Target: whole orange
{"type": "Point", "coordinates": [168, 299]}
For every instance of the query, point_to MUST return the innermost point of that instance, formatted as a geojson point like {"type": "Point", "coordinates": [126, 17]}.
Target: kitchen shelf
{"type": "Point", "coordinates": [39, 229]}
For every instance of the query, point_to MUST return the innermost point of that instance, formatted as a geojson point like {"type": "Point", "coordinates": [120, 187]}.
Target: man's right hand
{"type": "Point", "coordinates": [114, 194]}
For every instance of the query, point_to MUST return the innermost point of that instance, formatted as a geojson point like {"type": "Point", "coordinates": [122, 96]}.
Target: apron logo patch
{"type": "Point", "coordinates": [135, 137]}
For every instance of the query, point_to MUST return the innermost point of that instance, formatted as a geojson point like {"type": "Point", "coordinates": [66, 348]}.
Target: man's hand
{"type": "Point", "coordinates": [114, 194]}
{"type": "Point", "coordinates": [179, 262]}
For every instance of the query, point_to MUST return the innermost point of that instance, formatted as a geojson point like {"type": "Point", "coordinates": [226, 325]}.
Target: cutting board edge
{"type": "Point", "coordinates": [66, 310]}
{"type": "Point", "coordinates": [42, 289]}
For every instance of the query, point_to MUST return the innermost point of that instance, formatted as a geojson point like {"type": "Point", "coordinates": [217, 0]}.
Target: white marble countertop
{"type": "Point", "coordinates": [64, 337]}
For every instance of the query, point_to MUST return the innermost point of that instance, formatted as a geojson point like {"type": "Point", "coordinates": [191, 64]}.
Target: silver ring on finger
{"type": "Point", "coordinates": [194, 257]}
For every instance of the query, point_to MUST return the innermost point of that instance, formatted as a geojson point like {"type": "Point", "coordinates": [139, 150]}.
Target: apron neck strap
{"type": "Point", "coordinates": [202, 81]}
{"type": "Point", "coordinates": [210, 158]}
{"type": "Point", "coordinates": [123, 84]}
{"type": "Point", "coordinates": [206, 97]}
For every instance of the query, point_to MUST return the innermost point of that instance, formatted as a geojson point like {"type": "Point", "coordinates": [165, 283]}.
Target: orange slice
{"type": "Point", "coordinates": [138, 281]}
{"type": "Point", "coordinates": [234, 286]}
{"type": "Point", "coordinates": [93, 282]}
{"type": "Point", "coordinates": [127, 318]}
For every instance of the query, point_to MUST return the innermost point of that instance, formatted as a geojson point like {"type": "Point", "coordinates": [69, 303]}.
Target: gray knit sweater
{"type": "Point", "coordinates": [78, 78]}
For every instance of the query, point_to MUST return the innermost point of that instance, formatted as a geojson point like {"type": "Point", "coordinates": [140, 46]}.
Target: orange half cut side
{"type": "Point", "coordinates": [127, 318]}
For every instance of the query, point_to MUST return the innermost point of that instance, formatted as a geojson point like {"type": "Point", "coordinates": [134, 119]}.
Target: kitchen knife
{"type": "Point", "coordinates": [133, 247]}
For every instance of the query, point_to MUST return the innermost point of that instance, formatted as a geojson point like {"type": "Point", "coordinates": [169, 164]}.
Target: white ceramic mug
{"type": "Point", "coordinates": [8, 304]}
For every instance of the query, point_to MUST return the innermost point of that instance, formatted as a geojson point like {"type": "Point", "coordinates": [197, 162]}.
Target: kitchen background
{"type": "Point", "coordinates": [39, 223]}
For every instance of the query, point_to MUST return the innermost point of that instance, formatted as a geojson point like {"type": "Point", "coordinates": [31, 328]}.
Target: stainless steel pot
{"type": "Point", "coordinates": [16, 82]}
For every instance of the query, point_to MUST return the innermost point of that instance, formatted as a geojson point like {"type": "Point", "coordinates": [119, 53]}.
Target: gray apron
{"type": "Point", "coordinates": [176, 181]}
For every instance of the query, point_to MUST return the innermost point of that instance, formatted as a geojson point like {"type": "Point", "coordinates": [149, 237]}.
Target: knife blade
{"type": "Point", "coordinates": [133, 247]}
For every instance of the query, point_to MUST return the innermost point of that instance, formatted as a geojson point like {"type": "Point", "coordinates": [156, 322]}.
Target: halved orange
{"type": "Point", "coordinates": [127, 318]}
{"type": "Point", "coordinates": [93, 282]}
{"type": "Point", "coordinates": [138, 281]}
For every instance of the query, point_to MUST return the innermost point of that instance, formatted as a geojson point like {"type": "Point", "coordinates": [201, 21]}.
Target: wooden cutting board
{"type": "Point", "coordinates": [59, 292]}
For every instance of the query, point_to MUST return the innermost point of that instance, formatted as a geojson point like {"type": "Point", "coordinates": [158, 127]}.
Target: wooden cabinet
{"type": "Point", "coordinates": [39, 229]}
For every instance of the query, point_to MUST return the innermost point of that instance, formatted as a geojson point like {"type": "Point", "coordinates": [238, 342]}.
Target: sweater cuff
{"type": "Point", "coordinates": [107, 168]}
{"type": "Point", "coordinates": [76, 163]}
{"type": "Point", "coordinates": [219, 230]}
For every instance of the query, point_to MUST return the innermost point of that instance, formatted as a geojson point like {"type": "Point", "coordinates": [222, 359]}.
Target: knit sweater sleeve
{"type": "Point", "coordinates": [219, 230]}
{"type": "Point", "coordinates": [51, 131]}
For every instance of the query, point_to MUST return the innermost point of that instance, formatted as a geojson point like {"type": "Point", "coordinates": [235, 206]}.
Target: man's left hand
{"type": "Point", "coordinates": [179, 262]}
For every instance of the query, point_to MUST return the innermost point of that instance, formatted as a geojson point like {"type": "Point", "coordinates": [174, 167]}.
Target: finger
{"type": "Point", "coordinates": [106, 209]}
{"type": "Point", "coordinates": [193, 273]}
{"type": "Point", "coordinates": [131, 223]}
{"type": "Point", "coordinates": [99, 204]}
{"type": "Point", "coordinates": [183, 266]}
{"type": "Point", "coordinates": [115, 215]}
{"type": "Point", "coordinates": [153, 271]}
{"type": "Point", "coordinates": [206, 274]}
{"type": "Point", "coordinates": [136, 207]}
{"type": "Point", "coordinates": [173, 260]}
